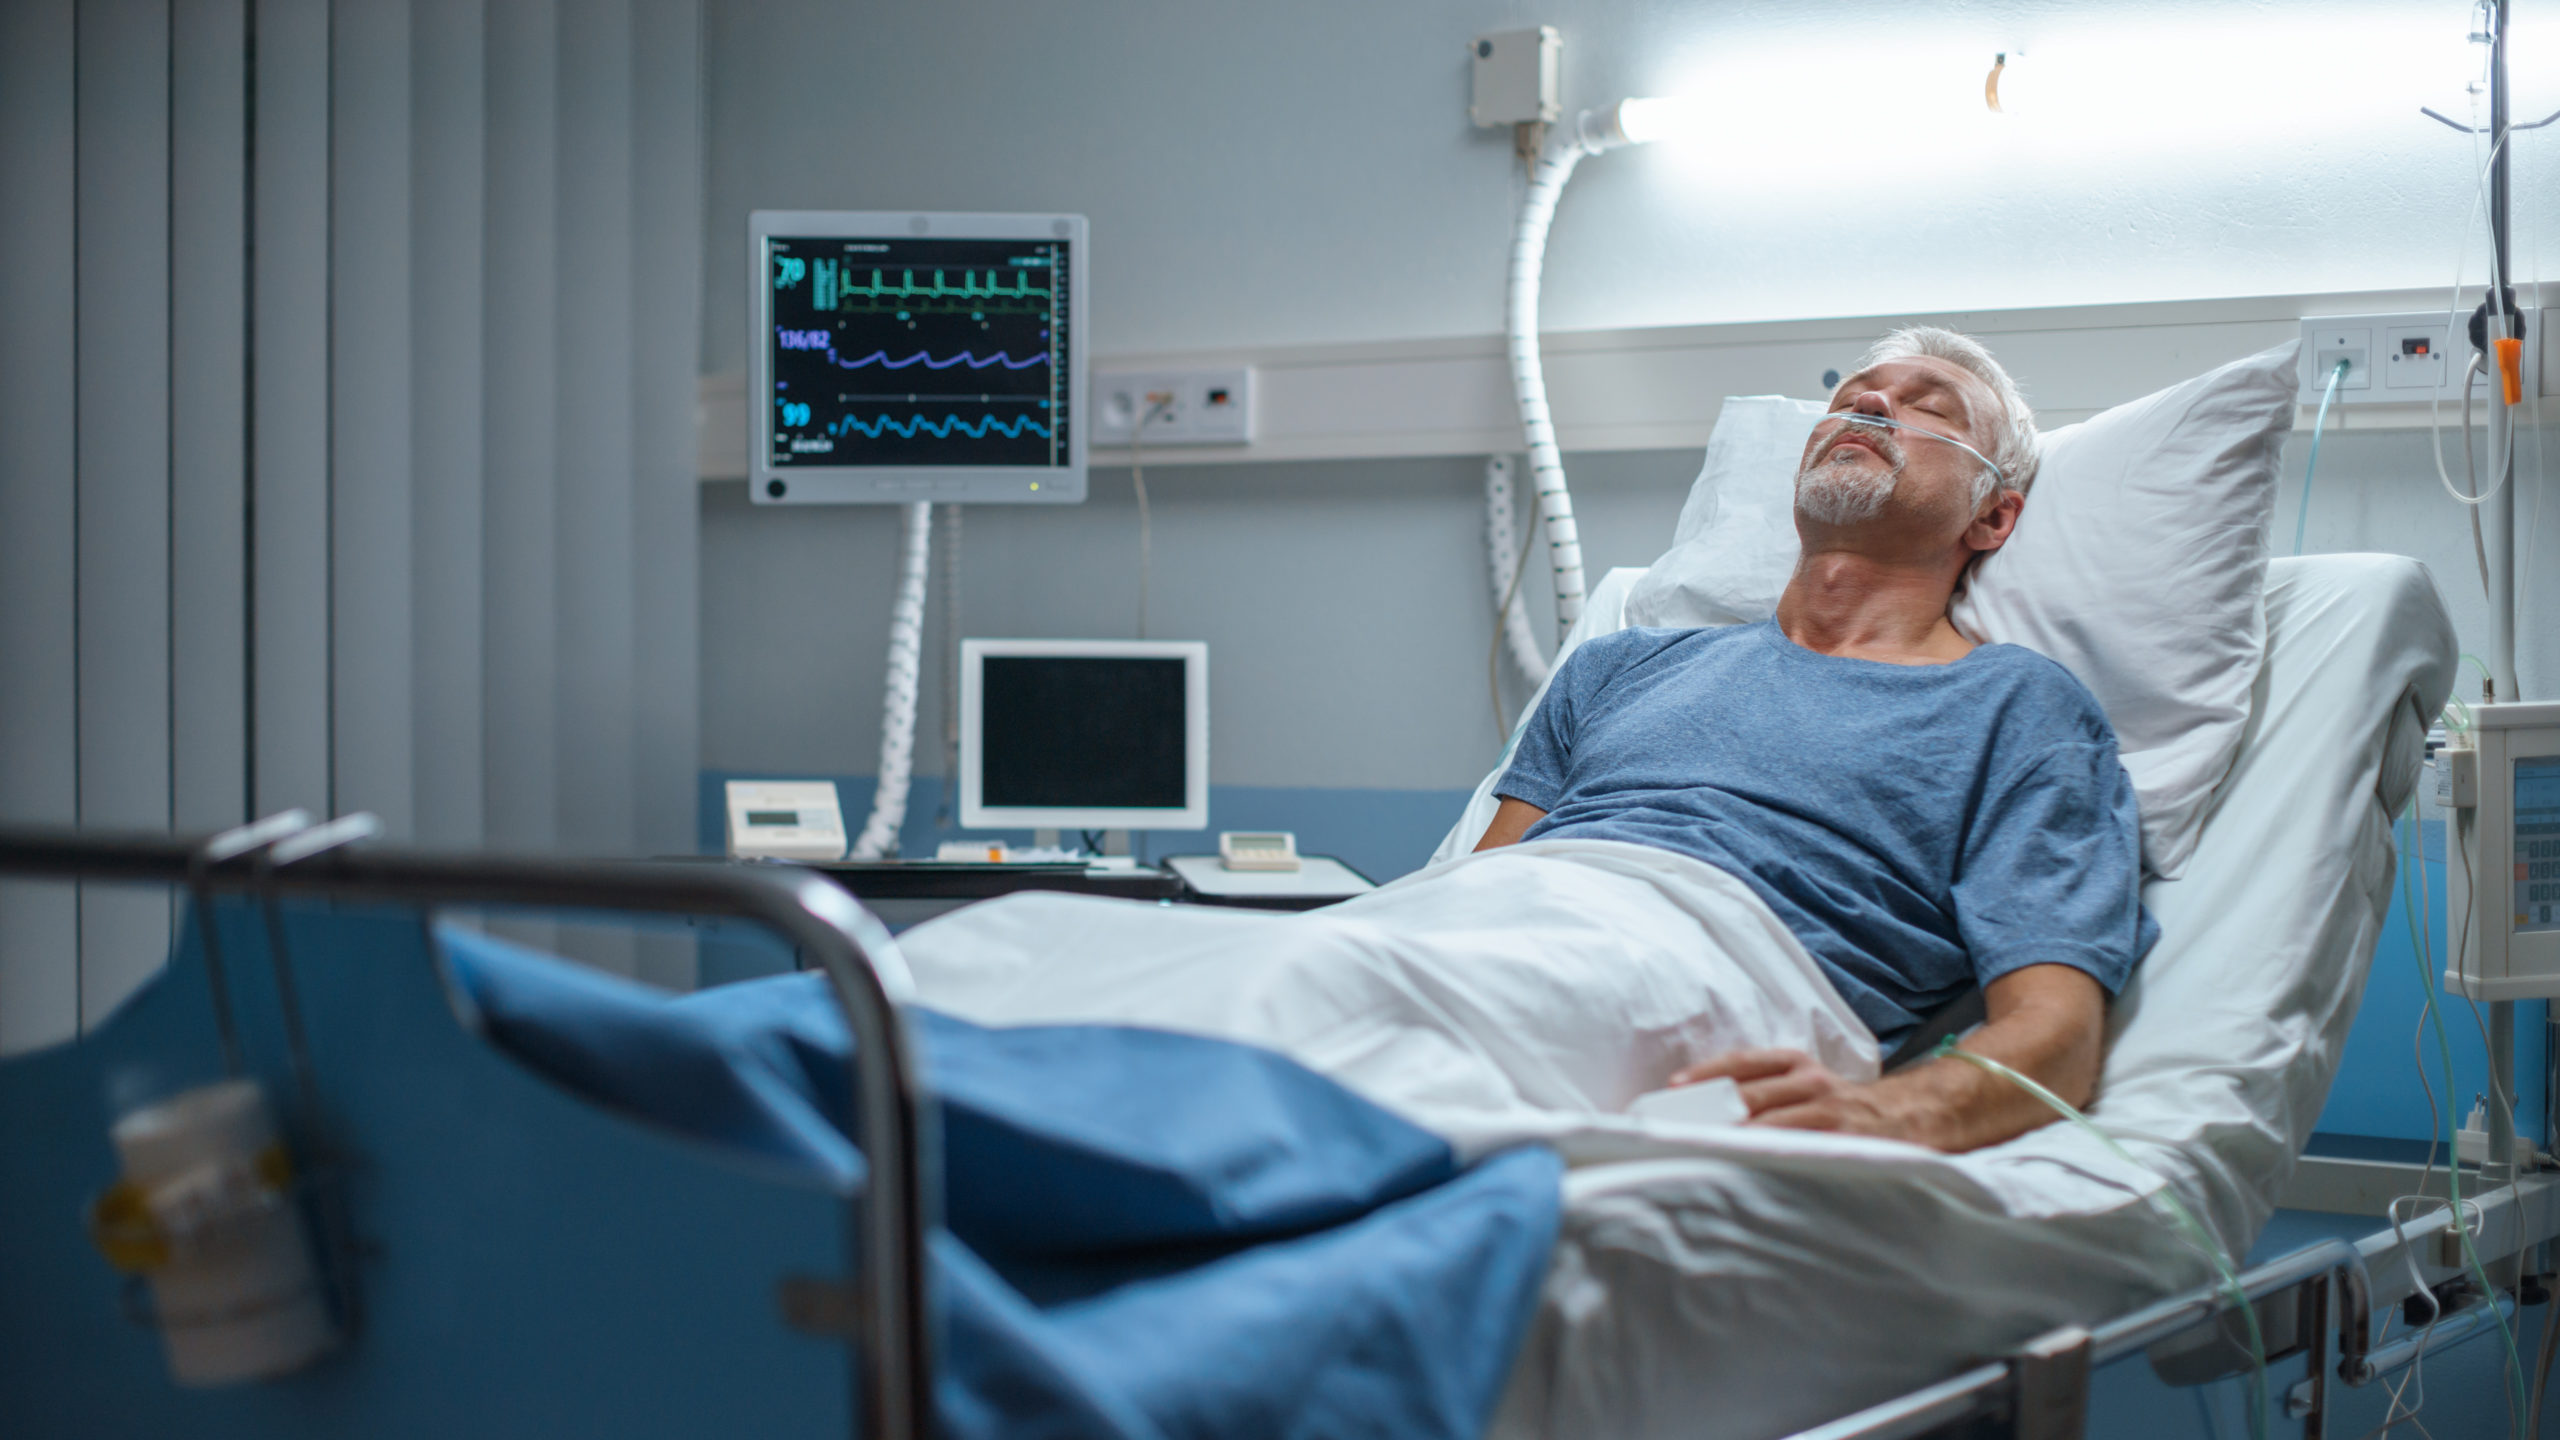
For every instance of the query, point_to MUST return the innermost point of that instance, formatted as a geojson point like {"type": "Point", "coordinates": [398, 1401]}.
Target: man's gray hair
{"type": "Point", "coordinates": [2013, 435]}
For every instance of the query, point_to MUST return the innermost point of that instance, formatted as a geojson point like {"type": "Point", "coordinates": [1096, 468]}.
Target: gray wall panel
{"type": "Point", "coordinates": [593, 545]}
{"type": "Point", "coordinates": [208, 599]}
{"type": "Point", "coordinates": [518, 624]}
{"type": "Point", "coordinates": [448, 139]}
{"type": "Point", "coordinates": [290, 488]}
{"type": "Point", "coordinates": [369, 427]}
{"type": "Point", "coordinates": [666, 503]}
{"type": "Point", "coordinates": [123, 530]}
{"type": "Point", "coordinates": [593, 558]}
{"type": "Point", "coordinates": [39, 725]}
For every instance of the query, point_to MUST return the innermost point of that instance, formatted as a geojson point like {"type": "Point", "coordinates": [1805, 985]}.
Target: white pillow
{"type": "Point", "coordinates": [2139, 564]}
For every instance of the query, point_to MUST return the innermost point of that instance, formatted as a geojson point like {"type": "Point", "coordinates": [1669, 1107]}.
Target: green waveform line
{"type": "Point", "coordinates": [833, 291]}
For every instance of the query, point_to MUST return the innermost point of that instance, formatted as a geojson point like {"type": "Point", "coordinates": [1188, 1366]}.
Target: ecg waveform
{"type": "Point", "coordinates": [919, 351]}
{"type": "Point", "coordinates": [943, 428]}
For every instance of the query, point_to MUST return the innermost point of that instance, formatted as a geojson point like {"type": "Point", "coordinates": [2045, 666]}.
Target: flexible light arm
{"type": "Point", "coordinates": [1591, 132]}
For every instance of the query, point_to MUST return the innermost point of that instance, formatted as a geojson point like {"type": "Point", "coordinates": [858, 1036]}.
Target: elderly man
{"type": "Point", "coordinates": [1749, 853]}
{"type": "Point", "coordinates": [1924, 813]}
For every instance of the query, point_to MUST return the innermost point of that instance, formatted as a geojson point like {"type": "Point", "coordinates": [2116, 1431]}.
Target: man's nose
{"type": "Point", "coordinates": [1872, 402]}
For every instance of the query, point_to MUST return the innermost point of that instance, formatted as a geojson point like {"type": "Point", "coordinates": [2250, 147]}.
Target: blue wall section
{"type": "Point", "coordinates": [1380, 833]}
{"type": "Point", "coordinates": [2378, 1093]}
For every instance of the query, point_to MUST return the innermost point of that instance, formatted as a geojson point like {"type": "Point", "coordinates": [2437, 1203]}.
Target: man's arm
{"type": "Point", "coordinates": [2046, 1022]}
{"type": "Point", "coordinates": [1510, 821]}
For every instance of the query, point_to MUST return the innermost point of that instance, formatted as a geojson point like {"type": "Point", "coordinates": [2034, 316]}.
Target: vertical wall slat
{"type": "Point", "coordinates": [448, 142]}
{"type": "Point", "coordinates": [519, 389]}
{"type": "Point", "coordinates": [39, 724]}
{"type": "Point", "coordinates": [208, 599]}
{"type": "Point", "coordinates": [289, 692]}
{"type": "Point", "coordinates": [592, 554]}
{"type": "Point", "coordinates": [665, 306]}
{"type": "Point", "coordinates": [123, 528]}
{"type": "Point", "coordinates": [370, 634]}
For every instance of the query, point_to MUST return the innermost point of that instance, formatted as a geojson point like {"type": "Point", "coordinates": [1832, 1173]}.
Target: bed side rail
{"type": "Point", "coordinates": [886, 1223]}
{"type": "Point", "coordinates": [2041, 1392]}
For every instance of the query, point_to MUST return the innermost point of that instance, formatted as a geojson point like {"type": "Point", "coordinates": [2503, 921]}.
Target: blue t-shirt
{"type": "Point", "coordinates": [1921, 828]}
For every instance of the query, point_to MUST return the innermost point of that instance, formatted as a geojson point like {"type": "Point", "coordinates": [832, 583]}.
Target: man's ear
{"type": "Point", "coordinates": [1997, 521]}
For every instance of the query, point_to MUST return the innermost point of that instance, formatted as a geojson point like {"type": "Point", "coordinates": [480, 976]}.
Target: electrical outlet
{"type": "Point", "coordinates": [2410, 357]}
{"type": "Point", "coordinates": [1206, 406]}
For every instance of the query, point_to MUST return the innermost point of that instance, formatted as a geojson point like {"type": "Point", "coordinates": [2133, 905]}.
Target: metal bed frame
{"type": "Point", "coordinates": [882, 1311]}
{"type": "Point", "coordinates": [2316, 1301]}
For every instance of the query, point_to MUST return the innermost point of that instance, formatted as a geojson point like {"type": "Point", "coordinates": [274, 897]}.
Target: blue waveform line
{"type": "Point", "coordinates": [791, 339]}
{"type": "Point", "coordinates": [940, 429]}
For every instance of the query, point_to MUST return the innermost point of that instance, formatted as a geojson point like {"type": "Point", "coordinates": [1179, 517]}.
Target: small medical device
{"type": "Point", "coordinates": [785, 820]}
{"type": "Point", "coordinates": [1258, 850]}
{"type": "Point", "coordinates": [2502, 798]}
{"type": "Point", "coordinates": [1084, 734]}
{"type": "Point", "coordinates": [902, 356]}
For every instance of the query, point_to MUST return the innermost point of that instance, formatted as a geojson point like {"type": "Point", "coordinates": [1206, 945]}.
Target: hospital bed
{"type": "Point", "coordinates": [1698, 1294]}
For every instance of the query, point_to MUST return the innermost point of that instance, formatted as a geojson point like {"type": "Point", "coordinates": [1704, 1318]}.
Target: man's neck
{"type": "Point", "coordinates": [1842, 603]}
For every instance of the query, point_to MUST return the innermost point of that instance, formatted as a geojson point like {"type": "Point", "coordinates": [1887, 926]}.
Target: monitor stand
{"type": "Point", "coordinates": [1114, 842]}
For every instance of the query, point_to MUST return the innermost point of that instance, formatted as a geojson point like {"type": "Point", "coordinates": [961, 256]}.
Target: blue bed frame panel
{"type": "Point", "coordinates": [503, 1197]}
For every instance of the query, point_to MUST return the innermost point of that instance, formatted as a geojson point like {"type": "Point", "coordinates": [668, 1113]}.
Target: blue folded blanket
{"type": "Point", "coordinates": [1149, 1234]}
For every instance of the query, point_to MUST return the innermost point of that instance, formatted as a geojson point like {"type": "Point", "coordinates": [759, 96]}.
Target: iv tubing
{"type": "Point", "coordinates": [2312, 465]}
{"type": "Point", "coordinates": [2164, 1199]}
{"type": "Point", "coordinates": [879, 837]}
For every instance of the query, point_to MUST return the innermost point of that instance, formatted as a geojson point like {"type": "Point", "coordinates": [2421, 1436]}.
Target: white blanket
{"type": "Point", "coordinates": [1527, 993]}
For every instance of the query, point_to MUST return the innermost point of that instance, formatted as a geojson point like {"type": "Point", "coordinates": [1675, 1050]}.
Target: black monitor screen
{"type": "Point", "coordinates": [915, 351]}
{"type": "Point", "coordinates": [1082, 732]}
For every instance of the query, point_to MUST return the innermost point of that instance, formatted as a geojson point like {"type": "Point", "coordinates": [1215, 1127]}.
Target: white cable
{"type": "Point", "coordinates": [1502, 541]}
{"type": "Point", "coordinates": [1563, 151]}
{"type": "Point", "coordinates": [2435, 402]}
{"type": "Point", "coordinates": [879, 838]}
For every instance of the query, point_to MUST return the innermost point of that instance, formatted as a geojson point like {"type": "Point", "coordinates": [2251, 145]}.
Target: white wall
{"type": "Point", "coordinates": [1305, 172]}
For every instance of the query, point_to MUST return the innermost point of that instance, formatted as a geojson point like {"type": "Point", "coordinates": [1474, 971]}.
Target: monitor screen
{"type": "Point", "coordinates": [924, 357]}
{"type": "Point", "coordinates": [1084, 734]}
{"type": "Point", "coordinates": [1083, 731]}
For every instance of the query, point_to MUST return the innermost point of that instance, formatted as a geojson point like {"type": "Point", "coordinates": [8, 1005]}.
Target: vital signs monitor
{"type": "Point", "coordinates": [903, 356]}
{"type": "Point", "coordinates": [1084, 734]}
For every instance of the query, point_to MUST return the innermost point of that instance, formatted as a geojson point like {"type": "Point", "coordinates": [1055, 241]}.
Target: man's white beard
{"type": "Point", "coordinates": [1836, 493]}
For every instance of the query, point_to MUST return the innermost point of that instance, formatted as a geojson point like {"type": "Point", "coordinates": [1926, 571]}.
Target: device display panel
{"type": "Point", "coordinates": [924, 357]}
{"type": "Point", "coordinates": [1086, 732]}
{"type": "Point", "coordinates": [2537, 843]}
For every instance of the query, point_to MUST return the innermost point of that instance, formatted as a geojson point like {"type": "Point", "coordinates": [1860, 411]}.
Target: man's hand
{"type": "Point", "coordinates": [2046, 1022]}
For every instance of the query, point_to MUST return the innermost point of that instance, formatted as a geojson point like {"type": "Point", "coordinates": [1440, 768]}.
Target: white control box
{"type": "Point", "coordinates": [785, 820]}
{"type": "Point", "coordinates": [1516, 76]}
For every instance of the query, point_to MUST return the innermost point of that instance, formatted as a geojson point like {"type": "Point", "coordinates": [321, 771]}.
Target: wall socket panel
{"type": "Point", "coordinates": [2403, 358]}
{"type": "Point", "coordinates": [1204, 406]}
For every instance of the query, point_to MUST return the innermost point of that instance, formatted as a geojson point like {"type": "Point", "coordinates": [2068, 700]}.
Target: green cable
{"type": "Point", "coordinates": [2453, 1160]}
{"type": "Point", "coordinates": [2484, 667]}
{"type": "Point", "coordinates": [2318, 423]}
{"type": "Point", "coordinates": [2165, 1199]}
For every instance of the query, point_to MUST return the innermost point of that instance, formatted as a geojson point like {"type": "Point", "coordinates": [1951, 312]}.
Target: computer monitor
{"type": "Point", "coordinates": [900, 356]}
{"type": "Point", "coordinates": [1084, 734]}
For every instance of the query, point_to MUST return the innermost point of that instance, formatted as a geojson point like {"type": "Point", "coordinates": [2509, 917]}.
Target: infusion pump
{"type": "Point", "coordinates": [2501, 795]}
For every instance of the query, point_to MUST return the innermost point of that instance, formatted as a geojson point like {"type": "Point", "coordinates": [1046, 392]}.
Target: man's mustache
{"type": "Point", "coordinates": [1875, 437]}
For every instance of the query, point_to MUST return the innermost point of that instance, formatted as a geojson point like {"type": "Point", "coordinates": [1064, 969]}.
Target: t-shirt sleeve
{"type": "Point", "coordinates": [2052, 870]}
{"type": "Point", "coordinates": [1539, 761]}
